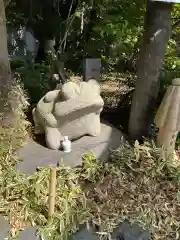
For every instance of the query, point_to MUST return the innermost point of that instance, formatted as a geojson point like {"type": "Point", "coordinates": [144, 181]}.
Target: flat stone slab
{"type": "Point", "coordinates": [4, 228]}
{"type": "Point", "coordinates": [127, 232]}
{"type": "Point", "coordinates": [29, 234]}
{"type": "Point", "coordinates": [85, 234]}
{"type": "Point", "coordinates": [124, 232]}
{"type": "Point", "coordinates": [35, 155]}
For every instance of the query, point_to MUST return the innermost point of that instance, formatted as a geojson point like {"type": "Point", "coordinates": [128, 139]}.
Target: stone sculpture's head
{"type": "Point", "coordinates": [72, 89]}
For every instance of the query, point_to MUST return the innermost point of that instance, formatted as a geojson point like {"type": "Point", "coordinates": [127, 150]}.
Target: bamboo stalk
{"type": "Point", "coordinates": [52, 193]}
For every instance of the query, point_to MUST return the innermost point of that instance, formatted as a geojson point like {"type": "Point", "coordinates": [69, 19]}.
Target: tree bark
{"type": "Point", "coordinates": [5, 73]}
{"type": "Point", "coordinates": [157, 30]}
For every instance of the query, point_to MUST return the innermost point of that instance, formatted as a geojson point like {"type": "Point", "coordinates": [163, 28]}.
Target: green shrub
{"type": "Point", "coordinates": [171, 68]}
{"type": "Point", "coordinates": [17, 64]}
{"type": "Point", "coordinates": [36, 81]}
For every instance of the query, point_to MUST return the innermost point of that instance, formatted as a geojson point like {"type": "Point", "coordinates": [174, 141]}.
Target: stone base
{"type": "Point", "coordinates": [35, 155]}
{"type": "Point", "coordinates": [4, 227]}
{"type": "Point", "coordinates": [29, 234]}
{"type": "Point", "coordinates": [127, 232]}
{"type": "Point", "coordinates": [124, 232]}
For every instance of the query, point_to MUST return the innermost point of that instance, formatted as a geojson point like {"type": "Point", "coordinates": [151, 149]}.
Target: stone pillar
{"type": "Point", "coordinates": [168, 118]}
{"type": "Point", "coordinates": [92, 69]}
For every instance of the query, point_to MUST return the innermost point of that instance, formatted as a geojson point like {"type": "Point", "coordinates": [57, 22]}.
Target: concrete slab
{"type": "Point", "coordinates": [4, 228]}
{"type": "Point", "coordinates": [29, 234]}
{"type": "Point", "coordinates": [124, 232]}
{"type": "Point", "coordinates": [127, 232]}
{"type": "Point", "coordinates": [35, 155]}
{"type": "Point", "coordinates": [85, 234]}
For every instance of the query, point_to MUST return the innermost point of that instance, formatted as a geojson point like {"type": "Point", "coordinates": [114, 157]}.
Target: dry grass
{"type": "Point", "coordinates": [115, 86]}
{"type": "Point", "coordinates": [143, 188]}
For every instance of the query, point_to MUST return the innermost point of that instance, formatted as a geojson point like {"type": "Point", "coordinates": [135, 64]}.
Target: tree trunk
{"type": "Point", "coordinates": [5, 73]}
{"type": "Point", "coordinates": [157, 29]}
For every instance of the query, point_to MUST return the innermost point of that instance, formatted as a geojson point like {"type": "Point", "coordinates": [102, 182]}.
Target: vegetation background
{"type": "Point", "coordinates": [124, 187]}
{"type": "Point", "coordinates": [109, 30]}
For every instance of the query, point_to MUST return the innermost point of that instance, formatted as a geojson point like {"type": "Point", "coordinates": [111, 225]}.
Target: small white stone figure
{"type": "Point", "coordinates": [66, 145]}
{"type": "Point", "coordinates": [168, 119]}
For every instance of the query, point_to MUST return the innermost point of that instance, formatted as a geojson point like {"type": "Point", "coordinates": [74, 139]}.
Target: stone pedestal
{"type": "Point", "coordinates": [35, 155]}
{"type": "Point", "coordinates": [29, 234]}
{"type": "Point", "coordinates": [4, 227]}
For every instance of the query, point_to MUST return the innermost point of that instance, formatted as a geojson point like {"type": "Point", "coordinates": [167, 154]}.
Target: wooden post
{"type": "Point", "coordinates": [92, 69]}
{"type": "Point", "coordinates": [52, 192]}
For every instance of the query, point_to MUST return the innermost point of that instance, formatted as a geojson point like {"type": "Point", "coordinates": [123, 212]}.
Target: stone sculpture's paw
{"type": "Point", "coordinates": [53, 138]}
{"type": "Point", "coordinates": [51, 120]}
{"type": "Point", "coordinates": [94, 129]}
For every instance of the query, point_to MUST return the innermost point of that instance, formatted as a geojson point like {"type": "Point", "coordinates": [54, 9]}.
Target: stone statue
{"type": "Point", "coordinates": [168, 119]}
{"type": "Point", "coordinates": [73, 111]}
